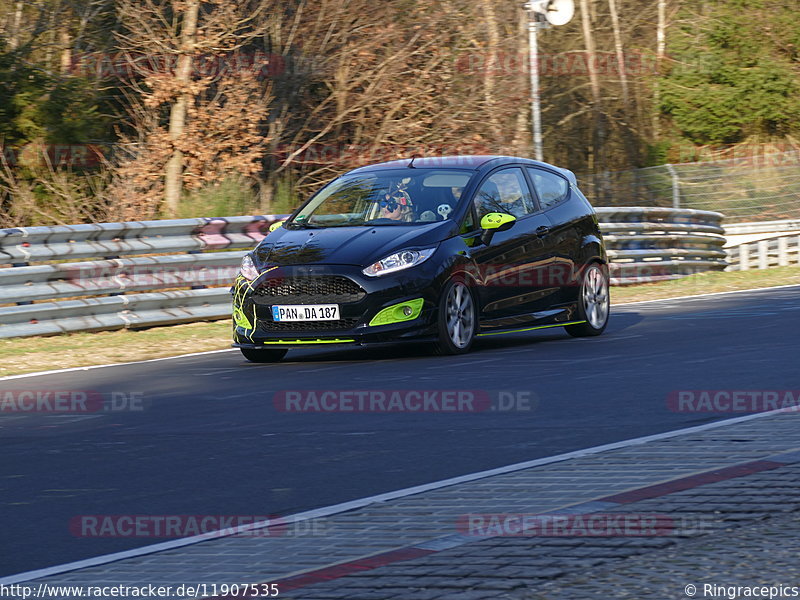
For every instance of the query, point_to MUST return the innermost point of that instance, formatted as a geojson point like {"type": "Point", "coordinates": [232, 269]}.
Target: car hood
{"type": "Point", "coordinates": [360, 246]}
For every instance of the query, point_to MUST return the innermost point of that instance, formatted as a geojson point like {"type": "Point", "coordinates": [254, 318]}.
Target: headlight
{"type": "Point", "coordinates": [248, 269]}
{"type": "Point", "coordinates": [398, 261]}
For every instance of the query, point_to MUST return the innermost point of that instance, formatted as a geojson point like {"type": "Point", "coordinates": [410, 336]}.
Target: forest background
{"type": "Point", "coordinates": [114, 110]}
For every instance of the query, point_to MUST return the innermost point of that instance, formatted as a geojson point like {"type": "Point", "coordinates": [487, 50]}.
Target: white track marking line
{"type": "Point", "coordinates": [139, 362]}
{"type": "Point", "coordinates": [362, 502]}
{"type": "Point", "coordinates": [203, 372]}
{"type": "Point", "coordinates": [316, 370]}
{"type": "Point", "coordinates": [122, 364]}
{"type": "Point", "coordinates": [469, 363]}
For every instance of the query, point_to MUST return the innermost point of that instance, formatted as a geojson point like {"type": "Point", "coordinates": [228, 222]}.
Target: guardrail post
{"type": "Point", "coordinates": [676, 189]}
{"type": "Point", "coordinates": [744, 257]}
{"type": "Point", "coordinates": [797, 249]}
{"type": "Point", "coordinates": [733, 260]}
{"type": "Point", "coordinates": [783, 255]}
{"type": "Point", "coordinates": [763, 254]}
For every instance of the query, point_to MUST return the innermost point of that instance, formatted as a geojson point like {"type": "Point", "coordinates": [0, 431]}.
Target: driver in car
{"type": "Point", "coordinates": [397, 207]}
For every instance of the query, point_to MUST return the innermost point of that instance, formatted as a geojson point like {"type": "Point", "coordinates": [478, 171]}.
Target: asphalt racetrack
{"type": "Point", "coordinates": [208, 439]}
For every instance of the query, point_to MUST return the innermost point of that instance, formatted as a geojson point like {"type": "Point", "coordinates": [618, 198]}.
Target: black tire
{"type": "Point", "coordinates": [268, 355]}
{"type": "Point", "coordinates": [457, 320]}
{"type": "Point", "coordinates": [593, 302]}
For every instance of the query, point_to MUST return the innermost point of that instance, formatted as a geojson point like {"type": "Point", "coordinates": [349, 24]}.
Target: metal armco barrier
{"type": "Point", "coordinates": [140, 274]}
{"type": "Point", "coordinates": [655, 244]}
{"type": "Point", "coordinates": [779, 251]}
{"type": "Point", "coordinates": [784, 226]}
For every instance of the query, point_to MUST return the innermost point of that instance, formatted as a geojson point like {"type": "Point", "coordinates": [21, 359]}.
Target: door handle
{"type": "Point", "coordinates": [542, 230]}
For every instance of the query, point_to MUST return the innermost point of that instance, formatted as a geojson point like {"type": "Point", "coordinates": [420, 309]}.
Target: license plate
{"type": "Point", "coordinates": [306, 312]}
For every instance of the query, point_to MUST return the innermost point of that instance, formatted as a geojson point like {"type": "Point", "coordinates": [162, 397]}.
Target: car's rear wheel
{"type": "Point", "coordinates": [593, 302]}
{"type": "Point", "coordinates": [268, 355]}
{"type": "Point", "coordinates": [457, 319]}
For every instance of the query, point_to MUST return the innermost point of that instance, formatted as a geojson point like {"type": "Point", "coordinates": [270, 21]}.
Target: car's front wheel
{"type": "Point", "coordinates": [457, 319]}
{"type": "Point", "coordinates": [267, 355]}
{"type": "Point", "coordinates": [593, 302]}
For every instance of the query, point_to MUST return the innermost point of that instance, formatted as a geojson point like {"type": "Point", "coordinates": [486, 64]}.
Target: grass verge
{"type": "Point", "coordinates": [707, 283]}
{"type": "Point", "coordinates": [28, 355]}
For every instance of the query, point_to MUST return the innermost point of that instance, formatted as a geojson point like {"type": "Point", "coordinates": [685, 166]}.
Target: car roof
{"type": "Point", "coordinates": [470, 162]}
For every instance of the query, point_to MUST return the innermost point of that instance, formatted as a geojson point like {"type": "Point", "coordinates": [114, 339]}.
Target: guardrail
{"type": "Point", "coordinates": [779, 251]}
{"type": "Point", "coordinates": [143, 273]}
{"type": "Point", "coordinates": [647, 244]}
{"type": "Point", "coordinates": [139, 274]}
{"type": "Point", "coordinates": [786, 225]}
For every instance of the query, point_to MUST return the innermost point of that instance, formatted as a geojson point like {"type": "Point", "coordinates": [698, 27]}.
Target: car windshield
{"type": "Point", "coordinates": [392, 197]}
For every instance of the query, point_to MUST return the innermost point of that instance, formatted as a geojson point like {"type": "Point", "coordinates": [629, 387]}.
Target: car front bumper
{"type": "Point", "coordinates": [360, 299]}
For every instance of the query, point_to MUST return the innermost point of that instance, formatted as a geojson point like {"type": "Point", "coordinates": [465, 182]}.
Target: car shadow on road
{"type": "Point", "coordinates": [619, 326]}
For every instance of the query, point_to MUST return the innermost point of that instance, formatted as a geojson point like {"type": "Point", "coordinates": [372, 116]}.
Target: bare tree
{"type": "Point", "coordinates": [623, 75]}
{"type": "Point", "coordinates": [492, 63]}
{"type": "Point", "coordinates": [382, 89]}
{"type": "Point", "coordinates": [186, 32]}
{"type": "Point", "coordinates": [594, 80]}
{"type": "Point", "coordinates": [173, 174]}
{"type": "Point", "coordinates": [14, 28]}
{"type": "Point", "coordinates": [661, 44]}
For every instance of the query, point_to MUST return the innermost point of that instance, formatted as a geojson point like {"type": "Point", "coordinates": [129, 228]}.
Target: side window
{"type": "Point", "coordinates": [550, 188]}
{"type": "Point", "coordinates": [505, 191]}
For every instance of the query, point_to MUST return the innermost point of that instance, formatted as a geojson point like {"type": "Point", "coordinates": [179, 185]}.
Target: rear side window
{"type": "Point", "coordinates": [504, 191]}
{"type": "Point", "coordinates": [550, 188]}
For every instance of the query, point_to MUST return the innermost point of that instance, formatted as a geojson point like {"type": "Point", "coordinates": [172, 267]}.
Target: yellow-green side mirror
{"type": "Point", "coordinates": [497, 221]}
{"type": "Point", "coordinates": [275, 225]}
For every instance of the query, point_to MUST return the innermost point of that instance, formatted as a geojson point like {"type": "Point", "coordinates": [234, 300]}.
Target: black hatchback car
{"type": "Point", "coordinates": [426, 249]}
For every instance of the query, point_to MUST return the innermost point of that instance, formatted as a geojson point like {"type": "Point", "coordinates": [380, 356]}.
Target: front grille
{"type": "Point", "coordinates": [308, 325]}
{"type": "Point", "coordinates": [308, 290]}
